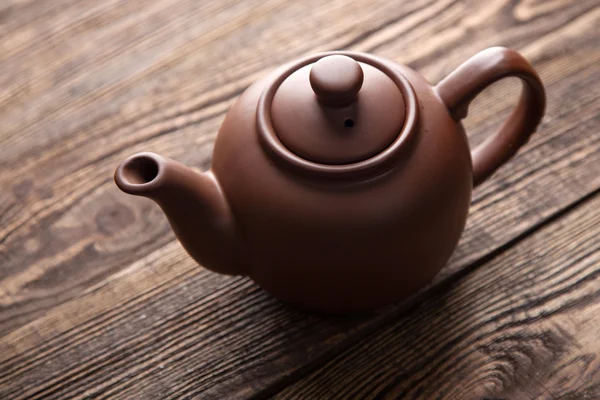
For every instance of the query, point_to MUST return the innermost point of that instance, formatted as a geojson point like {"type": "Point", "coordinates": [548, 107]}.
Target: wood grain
{"type": "Point", "coordinates": [96, 297]}
{"type": "Point", "coordinates": [59, 207]}
{"type": "Point", "coordinates": [524, 326]}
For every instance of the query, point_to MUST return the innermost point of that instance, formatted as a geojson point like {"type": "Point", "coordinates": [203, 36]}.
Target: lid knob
{"type": "Point", "coordinates": [336, 80]}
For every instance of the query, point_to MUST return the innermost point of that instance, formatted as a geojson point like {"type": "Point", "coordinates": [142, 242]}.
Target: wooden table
{"type": "Point", "coordinates": [98, 299]}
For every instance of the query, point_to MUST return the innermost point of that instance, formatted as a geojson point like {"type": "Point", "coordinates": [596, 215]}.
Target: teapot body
{"type": "Point", "coordinates": [347, 245]}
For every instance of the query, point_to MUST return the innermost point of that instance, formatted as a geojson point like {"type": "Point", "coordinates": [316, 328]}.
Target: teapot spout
{"type": "Point", "coordinates": [193, 203]}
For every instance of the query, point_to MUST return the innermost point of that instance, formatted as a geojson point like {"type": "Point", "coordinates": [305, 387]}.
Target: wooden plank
{"type": "Point", "coordinates": [70, 112]}
{"type": "Point", "coordinates": [523, 326]}
{"type": "Point", "coordinates": [162, 327]}
{"type": "Point", "coordinates": [165, 328]}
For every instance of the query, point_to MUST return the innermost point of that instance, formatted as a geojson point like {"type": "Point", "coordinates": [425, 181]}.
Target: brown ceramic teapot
{"type": "Point", "coordinates": [341, 182]}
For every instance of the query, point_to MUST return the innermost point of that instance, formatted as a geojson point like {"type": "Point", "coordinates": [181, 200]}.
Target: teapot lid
{"type": "Point", "coordinates": [337, 113]}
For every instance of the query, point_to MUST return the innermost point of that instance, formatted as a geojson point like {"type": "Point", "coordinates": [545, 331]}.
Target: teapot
{"type": "Point", "coordinates": [340, 182]}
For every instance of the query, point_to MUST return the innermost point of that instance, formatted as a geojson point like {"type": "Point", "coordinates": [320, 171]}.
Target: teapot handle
{"type": "Point", "coordinates": [459, 88]}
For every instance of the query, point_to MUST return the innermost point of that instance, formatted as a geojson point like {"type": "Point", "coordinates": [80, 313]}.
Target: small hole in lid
{"type": "Point", "coordinates": [349, 122]}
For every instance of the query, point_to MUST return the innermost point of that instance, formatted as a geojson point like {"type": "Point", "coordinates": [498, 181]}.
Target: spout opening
{"type": "Point", "coordinates": [139, 173]}
{"type": "Point", "coordinates": [140, 170]}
